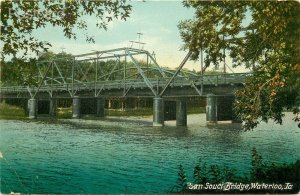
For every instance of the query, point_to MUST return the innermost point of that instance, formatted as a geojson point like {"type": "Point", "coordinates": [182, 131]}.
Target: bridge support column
{"type": "Point", "coordinates": [100, 107]}
{"type": "Point", "coordinates": [76, 107]}
{"type": "Point", "coordinates": [181, 112]}
{"type": "Point", "coordinates": [52, 107]}
{"type": "Point", "coordinates": [32, 108]}
{"type": "Point", "coordinates": [158, 112]}
{"type": "Point", "coordinates": [211, 108]}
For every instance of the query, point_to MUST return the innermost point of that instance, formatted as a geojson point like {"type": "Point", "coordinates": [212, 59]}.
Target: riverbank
{"type": "Point", "coordinates": [11, 112]}
{"type": "Point", "coordinates": [193, 120]}
{"type": "Point", "coordinates": [114, 117]}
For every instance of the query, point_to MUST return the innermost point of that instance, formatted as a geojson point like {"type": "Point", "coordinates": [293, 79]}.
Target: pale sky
{"type": "Point", "coordinates": [157, 20]}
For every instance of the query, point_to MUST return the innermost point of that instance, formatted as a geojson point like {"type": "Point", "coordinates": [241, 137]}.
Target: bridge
{"type": "Point", "coordinates": [125, 72]}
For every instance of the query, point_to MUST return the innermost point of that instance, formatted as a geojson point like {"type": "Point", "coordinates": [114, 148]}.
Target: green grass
{"type": "Point", "coordinates": [11, 112]}
{"type": "Point", "coordinates": [64, 113]}
{"type": "Point", "coordinates": [195, 110]}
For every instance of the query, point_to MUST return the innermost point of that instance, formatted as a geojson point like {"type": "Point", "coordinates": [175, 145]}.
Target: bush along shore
{"type": "Point", "coordinates": [264, 178]}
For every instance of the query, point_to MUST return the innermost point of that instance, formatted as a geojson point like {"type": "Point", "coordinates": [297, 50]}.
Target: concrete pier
{"type": "Point", "coordinates": [32, 108]}
{"type": "Point", "coordinates": [220, 108]}
{"type": "Point", "coordinates": [211, 108]}
{"type": "Point", "coordinates": [52, 107]}
{"type": "Point", "coordinates": [158, 112]}
{"type": "Point", "coordinates": [181, 113]}
{"type": "Point", "coordinates": [76, 107]}
{"type": "Point", "coordinates": [100, 107]}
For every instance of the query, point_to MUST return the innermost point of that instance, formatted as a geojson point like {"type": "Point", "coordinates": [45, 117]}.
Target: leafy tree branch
{"type": "Point", "coordinates": [262, 35]}
{"type": "Point", "coordinates": [19, 19]}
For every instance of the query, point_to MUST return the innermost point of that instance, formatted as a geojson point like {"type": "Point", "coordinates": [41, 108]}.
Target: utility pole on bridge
{"type": "Point", "coordinates": [140, 44]}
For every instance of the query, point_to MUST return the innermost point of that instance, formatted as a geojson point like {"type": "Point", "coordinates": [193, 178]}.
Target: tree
{"type": "Point", "coordinates": [20, 18]}
{"type": "Point", "coordinates": [62, 65]}
{"type": "Point", "coordinates": [261, 33]}
{"type": "Point", "coordinates": [19, 72]}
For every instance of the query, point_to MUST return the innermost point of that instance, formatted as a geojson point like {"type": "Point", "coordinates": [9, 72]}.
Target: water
{"type": "Point", "coordinates": [60, 158]}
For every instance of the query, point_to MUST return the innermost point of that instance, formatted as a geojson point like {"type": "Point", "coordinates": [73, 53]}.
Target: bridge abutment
{"type": "Point", "coordinates": [181, 112]}
{"type": "Point", "coordinates": [76, 107]}
{"type": "Point", "coordinates": [158, 112]}
{"type": "Point", "coordinates": [32, 108]}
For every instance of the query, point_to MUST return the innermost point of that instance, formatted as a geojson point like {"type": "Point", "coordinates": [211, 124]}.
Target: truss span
{"type": "Point", "coordinates": [119, 72]}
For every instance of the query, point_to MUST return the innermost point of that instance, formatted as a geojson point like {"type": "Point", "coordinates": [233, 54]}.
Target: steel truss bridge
{"type": "Point", "coordinates": [122, 72]}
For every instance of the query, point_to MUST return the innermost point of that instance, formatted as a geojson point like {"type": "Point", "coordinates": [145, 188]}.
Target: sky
{"type": "Point", "coordinates": [156, 20]}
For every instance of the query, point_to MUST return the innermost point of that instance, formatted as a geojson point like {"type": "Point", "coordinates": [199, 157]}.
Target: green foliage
{"type": "Point", "coordinates": [257, 166]}
{"type": "Point", "coordinates": [213, 174]}
{"type": "Point", "coordinates": [62, 68]}
{"type": "Point", "coordinates": [19, 72]}
{"type": "Point", "coordinates": [200, 173]}
{"type": "Point", "coordinates": [260, 173]}
{"type": "Point", "coordinates": [263, 35]}
{"type": "Point", "coordinates": [263, 172]}
{"type": "Point", "coordinates": [19, 19]}
{"type": "Point", "coordinates": [181, 180]}
{"type": "Point", "coordinates": [11, 112]}
{"type": "Point", "coordinates": [64, 113]}
{"type": "Point", "coordinates": [267, 92]}
{"type": "Point", "coordinates": [85, 71]}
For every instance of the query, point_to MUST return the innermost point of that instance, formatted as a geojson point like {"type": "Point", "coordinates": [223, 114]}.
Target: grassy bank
{"type": "Point", "coordinates": [11, 112]}
{"type": "Point", "coordinates": [64, 113]}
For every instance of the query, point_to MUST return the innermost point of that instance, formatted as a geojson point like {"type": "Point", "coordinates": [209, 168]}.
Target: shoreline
{"type": "Point", "coordinates": [193, 120]}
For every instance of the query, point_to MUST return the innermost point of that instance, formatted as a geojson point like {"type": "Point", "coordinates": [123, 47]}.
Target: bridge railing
{"type": "Point", "coordinates": [13, 88]}
{"type": "Point", "coordinates": [217, 79]}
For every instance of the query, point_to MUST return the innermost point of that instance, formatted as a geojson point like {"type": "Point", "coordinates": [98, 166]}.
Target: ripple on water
{"type": "Point", "coordinates": [57, 158]}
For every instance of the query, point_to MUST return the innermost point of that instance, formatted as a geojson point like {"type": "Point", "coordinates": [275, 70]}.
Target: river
{"type": "Point", "coordinates": [41, 157]}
